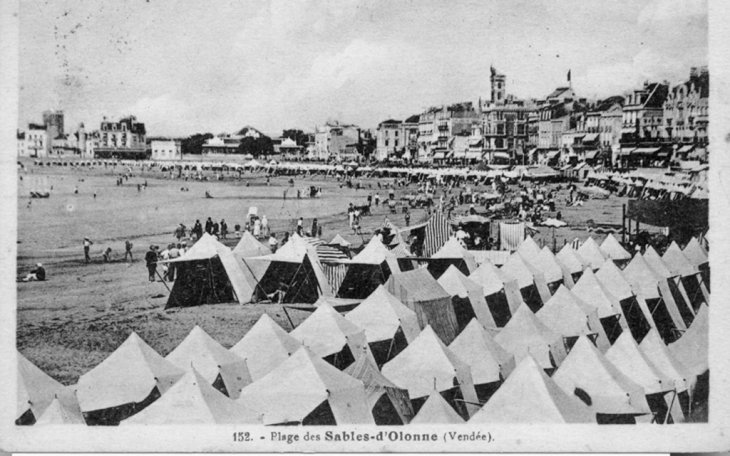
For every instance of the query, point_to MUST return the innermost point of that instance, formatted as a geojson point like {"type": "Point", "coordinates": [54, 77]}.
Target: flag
{"type": "Point", "coordinates": [568, 75]}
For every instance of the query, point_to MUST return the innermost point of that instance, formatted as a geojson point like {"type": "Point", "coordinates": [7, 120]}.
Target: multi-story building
{"type": "Point", "coordinates": [22, 144]}
{"type": "Point", "coordinates": [642, 126]}
{"type": "Point", "coordinates": [436, 127]}
{"type": "Point", "coordinates": [122, 139]}
{"type": "Point", "coordinates": [685, 116]}
{"type": "Point", "coordinates": [331, 139]}
{"type": "Point", "coordinates": [166, 150]}
{"type": "Point", "coordinates": [504, 122]}
{"type": "Point", "coordinates": [389, 139]}
{"type": "Point", "coordinates": [37, 143]}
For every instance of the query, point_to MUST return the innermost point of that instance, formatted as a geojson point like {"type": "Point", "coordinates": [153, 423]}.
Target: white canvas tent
{"type": "Point", "coordinates": [571, 317]}
{"type": "Point", "coordinates": [526, 335]}
{"type": "Point", "coordinates": [467, 298]}
{"type": "Point", "coordinates": [192, 400]}
{"type": "Point", "coordinates": [36, 391]}
{"type": "Point", "coordinates": [208, 273]}
{"type": "Point", "coordinates": [437, 411]}
{"type": "Point", "coordinates": [225, 371]}
{"type": "Point", "coordinates": [452, 253]}
{"type": "Point", "coordinates": [592, 291]}
{"type": "Point", "coordinates": [129, 379]}
{"type": "Point", "coordinates": [529, 396]}
{"type": "Point", "coordinates": [389, 404]}
{"type": "Point", "coordinates": [306, 390]}
{"type": "Point", "coordinates": [490, 364]}
{"type": "Point", "coordinates": [265, 346]}
{"type": "Point", "coordinates": [388, 324]}
{"type": "Point", "coordinates": [293, 272]}
{"type": "Point", "coordinates": [591, 252]}
{"type": "Point", "coordinates": [587, 373]}
{"type": "Point", "coordinates": [61, 413]}
{"type": "Point", "coordinates": [533, 287]}
{"type": "Point", "coordinates": [572, 261]}
{"type": "Point", "coordinates": [332, 337]}
{"type": "Point", "coordinates": [367, 270]}
{"type": "Point", "coordinates": [614, 250]}
{"type": "Point", "coordinates": [500, 290]}
{"type": "Point", "coordinates": [249, 246]}
{"type": "Point", "coordinates": [427, 364]}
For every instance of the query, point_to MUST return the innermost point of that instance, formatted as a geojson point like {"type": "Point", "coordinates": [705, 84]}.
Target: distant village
{"type": "Point", "coordinates": [654, 125]}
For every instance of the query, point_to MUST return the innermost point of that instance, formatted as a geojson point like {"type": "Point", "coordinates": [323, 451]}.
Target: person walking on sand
{"type": "Point", "coordinates": [151, 260]}
{"type": "Point", "coordinates": [128, 250]}
{"type": "Point", "coordinates": [209, 226]}
{"type": "Point", "coordinates": [87, 246]}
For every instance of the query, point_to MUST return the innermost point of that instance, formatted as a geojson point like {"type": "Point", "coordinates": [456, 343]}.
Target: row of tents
{"type": "Point", "coordinates": [272, 377]}
{"type": "Point", "coordinates": [587, 335]}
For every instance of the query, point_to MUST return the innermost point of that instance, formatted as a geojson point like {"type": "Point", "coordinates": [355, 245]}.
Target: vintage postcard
{"type": "Point", "coordinates": [365, 226]}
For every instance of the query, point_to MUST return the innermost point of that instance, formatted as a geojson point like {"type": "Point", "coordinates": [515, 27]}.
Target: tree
{"type": "Point", "coordinates": [297, 136]}
{"type": "Point", "coordinates": [256, 146]}
{"type": "Point", "coordinates": [193, 145]}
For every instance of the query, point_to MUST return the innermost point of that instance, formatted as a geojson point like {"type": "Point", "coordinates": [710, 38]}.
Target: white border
{"type": "Point", "coordinates": [534, 438]}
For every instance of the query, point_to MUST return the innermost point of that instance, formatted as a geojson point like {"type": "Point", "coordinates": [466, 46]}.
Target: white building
{"type": "Point", "coordinates": [166, 150]}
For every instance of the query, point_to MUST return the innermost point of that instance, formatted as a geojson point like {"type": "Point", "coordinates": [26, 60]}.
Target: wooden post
{"type": "Point", "coordinates": [623, 224]}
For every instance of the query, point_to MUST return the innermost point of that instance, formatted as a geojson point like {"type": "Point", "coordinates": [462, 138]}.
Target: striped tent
{"type": "Point", "coordinates": [511, 235]}
{"type": "Point", "coordinates": [438, 231]}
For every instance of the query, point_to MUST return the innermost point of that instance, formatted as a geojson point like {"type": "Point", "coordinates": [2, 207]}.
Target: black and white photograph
{"type": "Point", "coordinates": [364, 225]}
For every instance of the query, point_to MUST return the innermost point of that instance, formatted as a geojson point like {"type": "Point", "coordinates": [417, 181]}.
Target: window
{"type": "Point", "coordinates": [386, 142]}
{"type": "Point", "coordinates": [396, 143]}
{"type": "Point", "coordinates": [396, 134]}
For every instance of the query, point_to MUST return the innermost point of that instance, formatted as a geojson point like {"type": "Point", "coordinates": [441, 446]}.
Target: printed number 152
{"type": "Point", "coordinates": [241, 437]}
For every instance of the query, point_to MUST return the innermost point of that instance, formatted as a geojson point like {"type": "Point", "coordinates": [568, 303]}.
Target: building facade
{"type": "Point", "coordinates": [438, 125]}
{"type": "Point", "coordinates": [389, 139]}
{"type": "Point", "coordinates": [332, 138]}
{"type": "Point", "coordinates": [166, 150]}
{"type": "Point", "coordinates": [686, 116]}
{"type": "Point", "coordinates": [125, 139]}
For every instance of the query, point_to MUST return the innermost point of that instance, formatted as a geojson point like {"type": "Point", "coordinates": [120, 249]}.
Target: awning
{"type": "Point", "coordinates": [646, 150]}
{"type": "Point", "coordinates": [501, 155]}
{"type": "Point", "coordinates": [627, 150]}
{"type": "Point", "coordinates": [591, 154]}
{"type": "Point", "coordinates": [472, 155]}
{"type": "Point", "coordinates": [685, 149]}
{"type": "Point", "coordinates": [663, 154]}
{"type": "Point", "coordinates": [519, 152]}
{"type": "Point", "coordinates": [532, 151]}
{"type": "Point", "coordinates": [553, 154]}
{"type": "Point", "coordinates": [458, 154]}
{"type": "Point", "coordinates": [628, 130]}
{"type": "Point", "coordinates": [438, 156]}
{"type": "Point", "coordinates": [476, 142]}
{"type": "Point", "coordinates": [590, 137]}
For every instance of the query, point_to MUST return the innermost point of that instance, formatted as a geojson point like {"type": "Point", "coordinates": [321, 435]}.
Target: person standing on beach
{"type": "Point", "coordinates": [209, 226]}
{"type": "Point", "coordinates": [224, 229]}
{"type": "Point", "coordinates": [128, 250]}
{"type": "Point", "coordinates": [265, 225]}
{"type": "Point", "coordinates": [87, 246]}
{"type": "Point", "coordinates": [314, 228]}
{"type": "Point", "coordinates": [151, 260]}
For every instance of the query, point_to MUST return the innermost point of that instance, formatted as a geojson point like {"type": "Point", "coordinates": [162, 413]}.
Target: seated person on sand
{"type": "Point", "coordinates": [38, 274]}
{"type": "Point", "coordinates": [278, 295]}
{"type": "Point", "coordinates": [107, 255]}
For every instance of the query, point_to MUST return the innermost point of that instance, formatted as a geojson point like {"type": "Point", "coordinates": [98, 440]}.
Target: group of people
{"type": "Point", "coordinates": [154, 256]}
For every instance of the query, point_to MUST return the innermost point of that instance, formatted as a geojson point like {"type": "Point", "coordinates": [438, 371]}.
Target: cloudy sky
{"type": "Point", "coordinates": [184, 67]}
